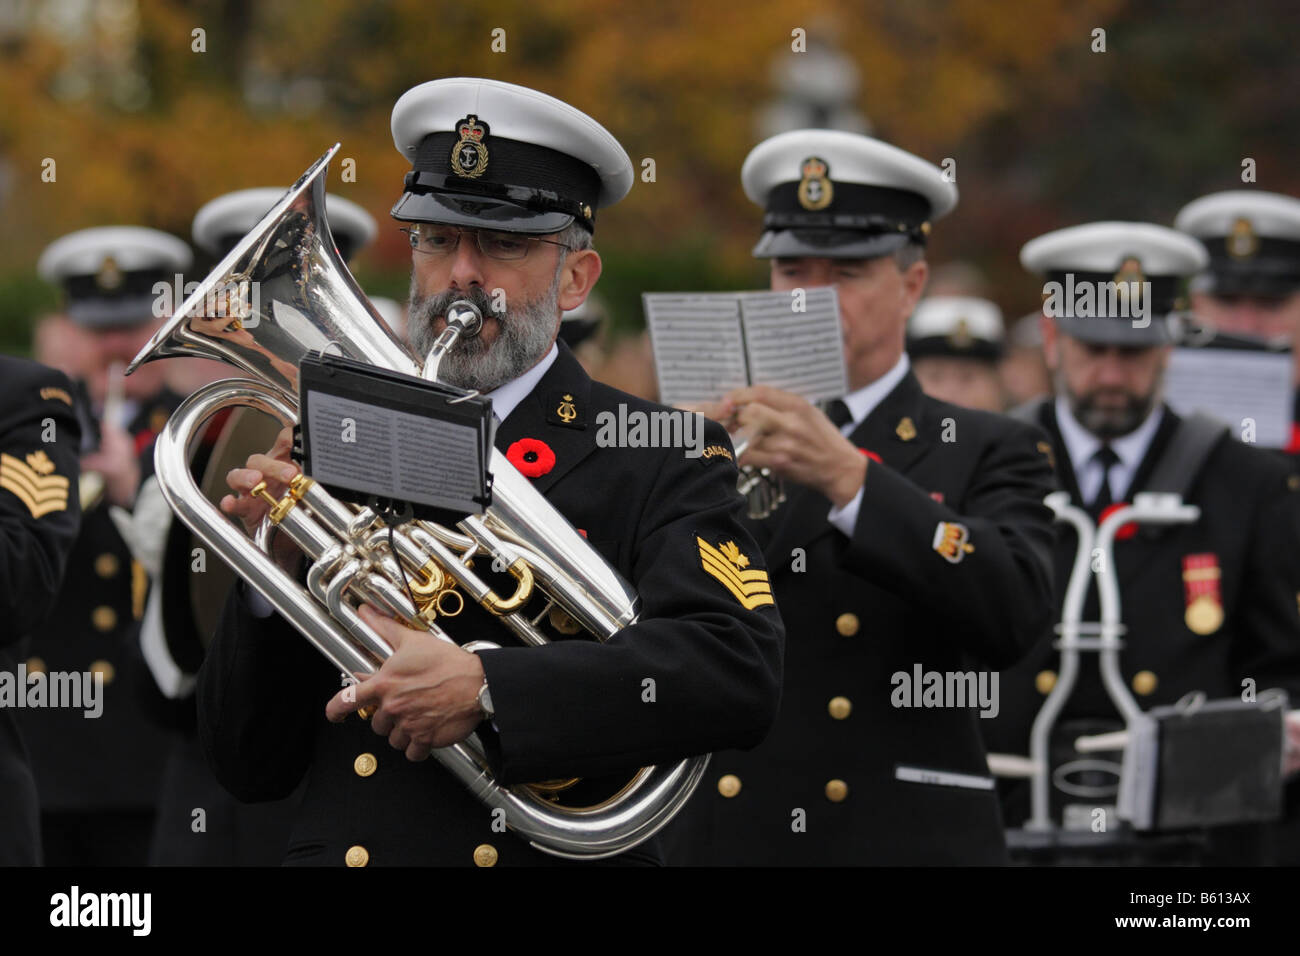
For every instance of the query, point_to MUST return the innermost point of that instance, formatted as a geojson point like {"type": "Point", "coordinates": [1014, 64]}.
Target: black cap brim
{"type": "Point", "coordinates": [478, 212]}
{"type": "Point", "coordinates": [827, 244]}
{"type": "Point", "coordinates": [112, 313]}
{"type": "Point", "coordinates": [1120, 332]}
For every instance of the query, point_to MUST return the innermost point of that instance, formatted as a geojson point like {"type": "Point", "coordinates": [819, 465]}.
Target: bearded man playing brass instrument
{"type": "Point", "coordinates": [500, 201]}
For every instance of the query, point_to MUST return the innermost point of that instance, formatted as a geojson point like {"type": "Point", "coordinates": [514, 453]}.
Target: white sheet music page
{"type": "Point", "coordinates": [794, 342]}
{"type": "Point", "coordinates": [698, 349]}
{"type": "Point", "coordinates": [705, 344]}
{"type": "Point", "coordinates": [1234, 385]}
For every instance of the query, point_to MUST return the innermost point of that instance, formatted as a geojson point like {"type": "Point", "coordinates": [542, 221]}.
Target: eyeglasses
{"type": "Point", "coordinates": [441, 241]}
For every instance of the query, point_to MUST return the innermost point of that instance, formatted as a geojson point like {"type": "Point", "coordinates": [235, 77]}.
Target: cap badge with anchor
{"type": "Point", "coordinates": [1242, 243]}
{"type": "Point", "coordinates": [469, 157]}
{"type": "Point", "coordinates": [815, 190]}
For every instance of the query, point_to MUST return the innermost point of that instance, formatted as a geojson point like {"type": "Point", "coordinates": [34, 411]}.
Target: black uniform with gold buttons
{"type": "Point", "coordinates": [699, 670]}
{"type": "Point", "coordinates": [573, 708]}
{"type": "Point", "coordinates": [1206, 605]}
{"type": "Point", "coordinates": [98, 776]}
{"type": "Point", "coordinates": [39, 516]}
{"type": "Point", "coordinates": [946, 568]}
{"type": "Point", "coordinates": [1212, 606]}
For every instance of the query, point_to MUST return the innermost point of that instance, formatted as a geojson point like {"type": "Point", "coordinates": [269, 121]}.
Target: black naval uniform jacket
{"type": "Point", "coordinates": [827, 785]}
{"type": "Point", "coordinates": [1250, 524]}
{"type": "Point", "coordinates": [571, 708]}
{"type": "Point", "coordinates": [113, 763]}
{"type": "Point", "coordinates": [40, 513]}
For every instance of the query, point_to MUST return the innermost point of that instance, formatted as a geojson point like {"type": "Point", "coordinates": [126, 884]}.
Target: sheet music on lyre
{"type": "Point", "coordinates": [707, 343]}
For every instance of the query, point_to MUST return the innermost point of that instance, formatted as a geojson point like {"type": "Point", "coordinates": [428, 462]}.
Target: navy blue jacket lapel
{"type": "Point", "coordinates": [558, 412]}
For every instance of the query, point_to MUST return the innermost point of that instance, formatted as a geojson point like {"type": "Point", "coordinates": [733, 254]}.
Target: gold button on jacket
{"type": "Point", "coordinates": [847, 624]}
{"type": "Point", "coordinates": [836, 791]}
{"type": "Point", "coordinates": [365, 765]}
{"type": "Point", "coordinates": [106, 565]}
{"type": "Point", "coordinates": [839, 707]}
{"type": "Point", "coordinates": [485, 854]}
{"type": "Point", "coordinates": [1144, 682]}
{"type": "Point", "coordinates": [357, 856]}
{"type": "Point", "coordinates": [104, 668]}
{"type": "Point", "coordinates": [104, 618]}
{"type": "Point", "coordinates": [729, 785]}
{"type": "Point", "coordinates": [1045, 681]}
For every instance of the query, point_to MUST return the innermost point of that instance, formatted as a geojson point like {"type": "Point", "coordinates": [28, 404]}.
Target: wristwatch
{"type": "Point", "coordinates": [485, 701]}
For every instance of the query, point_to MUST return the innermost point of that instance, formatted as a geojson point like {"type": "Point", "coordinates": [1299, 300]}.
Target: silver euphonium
{"type": "Point", "coordinates": [284, 292]}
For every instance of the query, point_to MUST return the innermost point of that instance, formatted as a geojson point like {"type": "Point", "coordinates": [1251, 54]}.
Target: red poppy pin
{"type": "Point", "coordinates": [870, 454]}
{"type": "Point", "coordinates": [532, 456]}
{"type": "Point", "coordinates": [1126, 530]}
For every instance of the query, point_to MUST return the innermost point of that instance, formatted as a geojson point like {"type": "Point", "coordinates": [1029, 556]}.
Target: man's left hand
{"type": "Point", "coordinates": [798, 442]}
{"type": "Point", "coordinates": [424, 696]}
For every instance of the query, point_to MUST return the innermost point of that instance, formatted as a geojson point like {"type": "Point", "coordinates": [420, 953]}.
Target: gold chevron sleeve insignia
{"type": "Point", "coordinates": [749, 586]}
{"type": "Point", "coordinates": [34, 483]}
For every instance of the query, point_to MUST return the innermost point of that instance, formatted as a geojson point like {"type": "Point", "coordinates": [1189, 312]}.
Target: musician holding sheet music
{"type": "Point", "coordinates": [916, 539]}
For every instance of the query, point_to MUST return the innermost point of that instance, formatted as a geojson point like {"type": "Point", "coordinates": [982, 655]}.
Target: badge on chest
{"type": "Point", "coordinates": [1203, 593]}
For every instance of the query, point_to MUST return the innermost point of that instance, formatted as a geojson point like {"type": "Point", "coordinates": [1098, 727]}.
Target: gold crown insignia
{"type": "Point", "coordinates": [1130, 270]}
{"type": "Point", "coordinates": [470, 128]}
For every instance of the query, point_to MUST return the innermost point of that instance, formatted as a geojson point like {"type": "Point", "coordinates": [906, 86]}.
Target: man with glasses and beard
{"type": "Point", "coordinates": [1207, 606]}
{"type": "Point", "coordinates": [501, 201]}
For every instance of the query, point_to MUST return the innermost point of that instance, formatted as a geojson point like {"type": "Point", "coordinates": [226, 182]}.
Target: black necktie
{"type": "Point", "coordinates": [838, 412]}
{"type": "Point", "coordinates": [1106, 457]}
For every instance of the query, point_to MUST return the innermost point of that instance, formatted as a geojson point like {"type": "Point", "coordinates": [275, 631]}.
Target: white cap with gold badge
{"type": "Point", "coordinates": [1092, 258]}
{"type": "Point", "coordinates": [957, 326]}
{"type": "Point", "coordinates": [222, 222]}
{"type": "Point", "coordinates": [832, 194]}
{"type": "Point", "coordinates": [108, 273]}
{"type": "Point", "coordinates": [1253, 239]}
{"type": "Point", "coordinates": [492, 155]}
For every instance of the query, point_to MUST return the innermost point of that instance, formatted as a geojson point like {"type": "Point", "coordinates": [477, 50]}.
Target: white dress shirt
{"type": "Point", "coordinates": [1082, 444]}
{"type": "Point", "coordinates": [861, 404]}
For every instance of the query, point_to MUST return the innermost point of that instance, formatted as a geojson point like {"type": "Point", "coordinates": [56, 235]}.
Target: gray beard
{"type": "Point", "coordinates": [526, 333]}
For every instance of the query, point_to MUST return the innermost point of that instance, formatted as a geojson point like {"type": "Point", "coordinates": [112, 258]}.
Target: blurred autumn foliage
{"type": "Point", "coordinates": [144, 127]}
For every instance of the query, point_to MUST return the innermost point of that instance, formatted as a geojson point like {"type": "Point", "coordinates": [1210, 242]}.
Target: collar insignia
{"type": "Point", "coordinates": [906, 429]}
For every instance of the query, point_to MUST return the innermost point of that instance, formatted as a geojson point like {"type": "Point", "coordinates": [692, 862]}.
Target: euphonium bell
{"type": "Point", "coordinates": [280, 294]}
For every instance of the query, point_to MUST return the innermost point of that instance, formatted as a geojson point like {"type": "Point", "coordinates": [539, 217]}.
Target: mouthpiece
{"type": "Point", "coordinates": [463, 318]}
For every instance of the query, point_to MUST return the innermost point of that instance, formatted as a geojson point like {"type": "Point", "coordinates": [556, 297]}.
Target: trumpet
{"type": "Point", "coordinates": [284, 292]}
{"type": "Point", "coordinates": [762, 489]}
